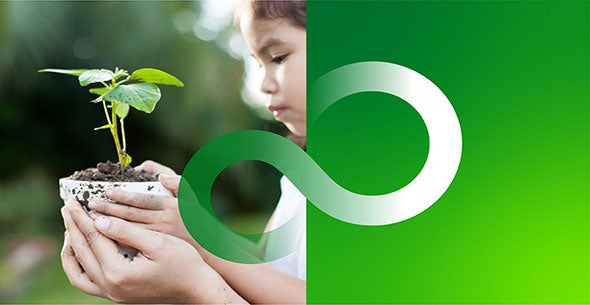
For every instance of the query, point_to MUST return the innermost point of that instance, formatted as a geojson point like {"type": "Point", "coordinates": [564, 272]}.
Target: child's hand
{"type": "Point", "coordinates": [155, 168]}
{"type": "Point", "coordinates": [166, 269]}
{"type": "Point", "coordinates": [154, 212]}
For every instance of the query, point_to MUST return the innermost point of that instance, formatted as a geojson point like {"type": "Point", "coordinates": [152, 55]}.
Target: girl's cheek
{"type": "Point", "coordinates": [282, 75]}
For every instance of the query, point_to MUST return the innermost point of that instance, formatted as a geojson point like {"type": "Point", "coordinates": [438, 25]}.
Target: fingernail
{"type": "Point", "coordinates": [63, 215]}
{"type": "Point", "coordinates": [63, 212]}
{"type": "Point", "coordinates": [165, 177]}
{"type": "Point", "coordinates": [102, 223]}
{"type": "Point", "coordinates": [92, 204]}
{"type": "Point", "coordinates": [109, 193]}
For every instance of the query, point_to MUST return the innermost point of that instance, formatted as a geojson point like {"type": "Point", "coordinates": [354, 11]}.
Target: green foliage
{"type": "Point", "coordinates": [99, 91]}
{"type": "Point", "coordinates": [155, 76]}
{"type": "Point", "coordinates": [72, 72]}
{"type": "Point", "coordinates": [90, 76]}
{"type": "Point", "coordinates": [142, 95]}
{"type": "Point", "coordinates": [121, 109]}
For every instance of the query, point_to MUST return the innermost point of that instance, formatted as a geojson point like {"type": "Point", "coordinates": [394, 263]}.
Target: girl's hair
{"type": "Point", "coordinates": [292, 10]}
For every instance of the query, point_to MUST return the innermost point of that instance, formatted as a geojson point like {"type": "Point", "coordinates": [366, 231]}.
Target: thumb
{"type": "Point", "coordinates": [170, 182]}
{"type": "Point", "coordinates": [129, 234]}
{"type": "Point", "coordinates": [155, 168]}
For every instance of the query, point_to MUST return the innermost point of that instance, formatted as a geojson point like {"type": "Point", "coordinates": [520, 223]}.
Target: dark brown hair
{"type": "Point", "coordinates": [294, 11]}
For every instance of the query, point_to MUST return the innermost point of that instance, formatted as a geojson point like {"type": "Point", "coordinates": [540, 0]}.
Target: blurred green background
{"type": "Point", "coordinates": [47, 121]}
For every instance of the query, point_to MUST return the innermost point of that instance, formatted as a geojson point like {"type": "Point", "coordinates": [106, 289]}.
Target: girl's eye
{"type": "Point", "coordinates": [279, 59]}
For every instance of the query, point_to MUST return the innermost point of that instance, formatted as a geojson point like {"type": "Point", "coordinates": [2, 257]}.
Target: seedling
{"type": "Point", "coordinates": [119, 91]}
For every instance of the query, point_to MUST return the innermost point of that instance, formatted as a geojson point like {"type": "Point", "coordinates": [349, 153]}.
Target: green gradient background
{"type": "Point", "coordinates": [514, 225]}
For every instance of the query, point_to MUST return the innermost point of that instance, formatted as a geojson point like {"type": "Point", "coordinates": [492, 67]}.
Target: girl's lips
{"type": "Point", "coordinates": [277, 111]}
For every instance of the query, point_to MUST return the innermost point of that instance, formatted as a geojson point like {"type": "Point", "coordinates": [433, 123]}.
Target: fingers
{"type": "Point", "coordinates": [155, 168]}
{"type": "Point", "coordinates": [80, 248]}
{"type": "Point", "coordinates": [170, 182]}
{"type": "Point", "coordinates": [149, 226]}
{"type": "Point", "coordinates": [138, 200]}
{"type": "Point", "coordinates": [122, 211]}
{"type": "Point", "coordinates": [144, 240]}
{"type": "Point", "coordinates": [87, 241]}
{"type": "Point", "coordinates": [77, 277]}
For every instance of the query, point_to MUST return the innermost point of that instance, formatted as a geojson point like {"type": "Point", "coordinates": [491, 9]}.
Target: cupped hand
{"type": "Point", "coordinates": [155, 212]}
{"type": "Point", "coordinates": [166, 269]}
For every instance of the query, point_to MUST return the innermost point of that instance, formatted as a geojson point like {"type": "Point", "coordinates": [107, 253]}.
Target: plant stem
{"type": "Point", "coordinates": [123, 136]}
{"type": "Point", "coordinates": [106, 112]}
{"type": "Point", "coordinates": [115, 134]}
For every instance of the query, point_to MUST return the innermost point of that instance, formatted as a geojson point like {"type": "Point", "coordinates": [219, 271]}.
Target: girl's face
{"type": "Point", "coordinates": [279, 47]}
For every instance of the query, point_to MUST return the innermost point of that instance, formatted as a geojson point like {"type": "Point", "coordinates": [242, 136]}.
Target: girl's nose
{"type": "Point", "coordinates": [269, 85]}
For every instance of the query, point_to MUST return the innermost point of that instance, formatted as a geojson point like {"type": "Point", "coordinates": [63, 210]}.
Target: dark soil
{"type": "Point", "coordinates": [112, 172]}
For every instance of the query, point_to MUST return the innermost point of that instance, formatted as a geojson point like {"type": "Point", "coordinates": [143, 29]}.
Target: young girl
{"type": "Point", "coordinates": [171, 266]}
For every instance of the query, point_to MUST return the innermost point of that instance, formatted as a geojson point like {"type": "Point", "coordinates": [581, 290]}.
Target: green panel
{"type": "Point", "coordinates": [514, 225]}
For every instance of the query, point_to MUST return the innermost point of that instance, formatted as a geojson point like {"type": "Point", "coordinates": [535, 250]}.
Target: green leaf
{"type": "Point", "coordinates": [99, 91]}
{"type": "Point", "coordinates": [121, 109]}
{"type": "Point", "coordinates": [126, 160]}
{"type": "Point", "coordinates": [155, 76]}
{"type": "Point", "coordinates": [107, 126]}
{"type": "Point", "coordinates": [95, 76]}
{"type": "Point", "coordinates": [141, 96]}
{"type": "Point", "coordinates": [98, 99]}
{"type": "Point", "coordinates": [72, 72]}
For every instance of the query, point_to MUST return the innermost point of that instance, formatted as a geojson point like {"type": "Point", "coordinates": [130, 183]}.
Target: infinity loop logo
{"type": "Point", "coordinates": [428, 186]}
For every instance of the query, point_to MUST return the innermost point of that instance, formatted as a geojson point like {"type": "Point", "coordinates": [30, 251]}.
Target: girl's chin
{"type": "Point", "coordinates": [299, 131]}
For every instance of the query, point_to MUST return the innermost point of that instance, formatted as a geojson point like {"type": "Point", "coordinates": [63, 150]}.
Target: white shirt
{"type": "Point", "coordinates": [290, 203]}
